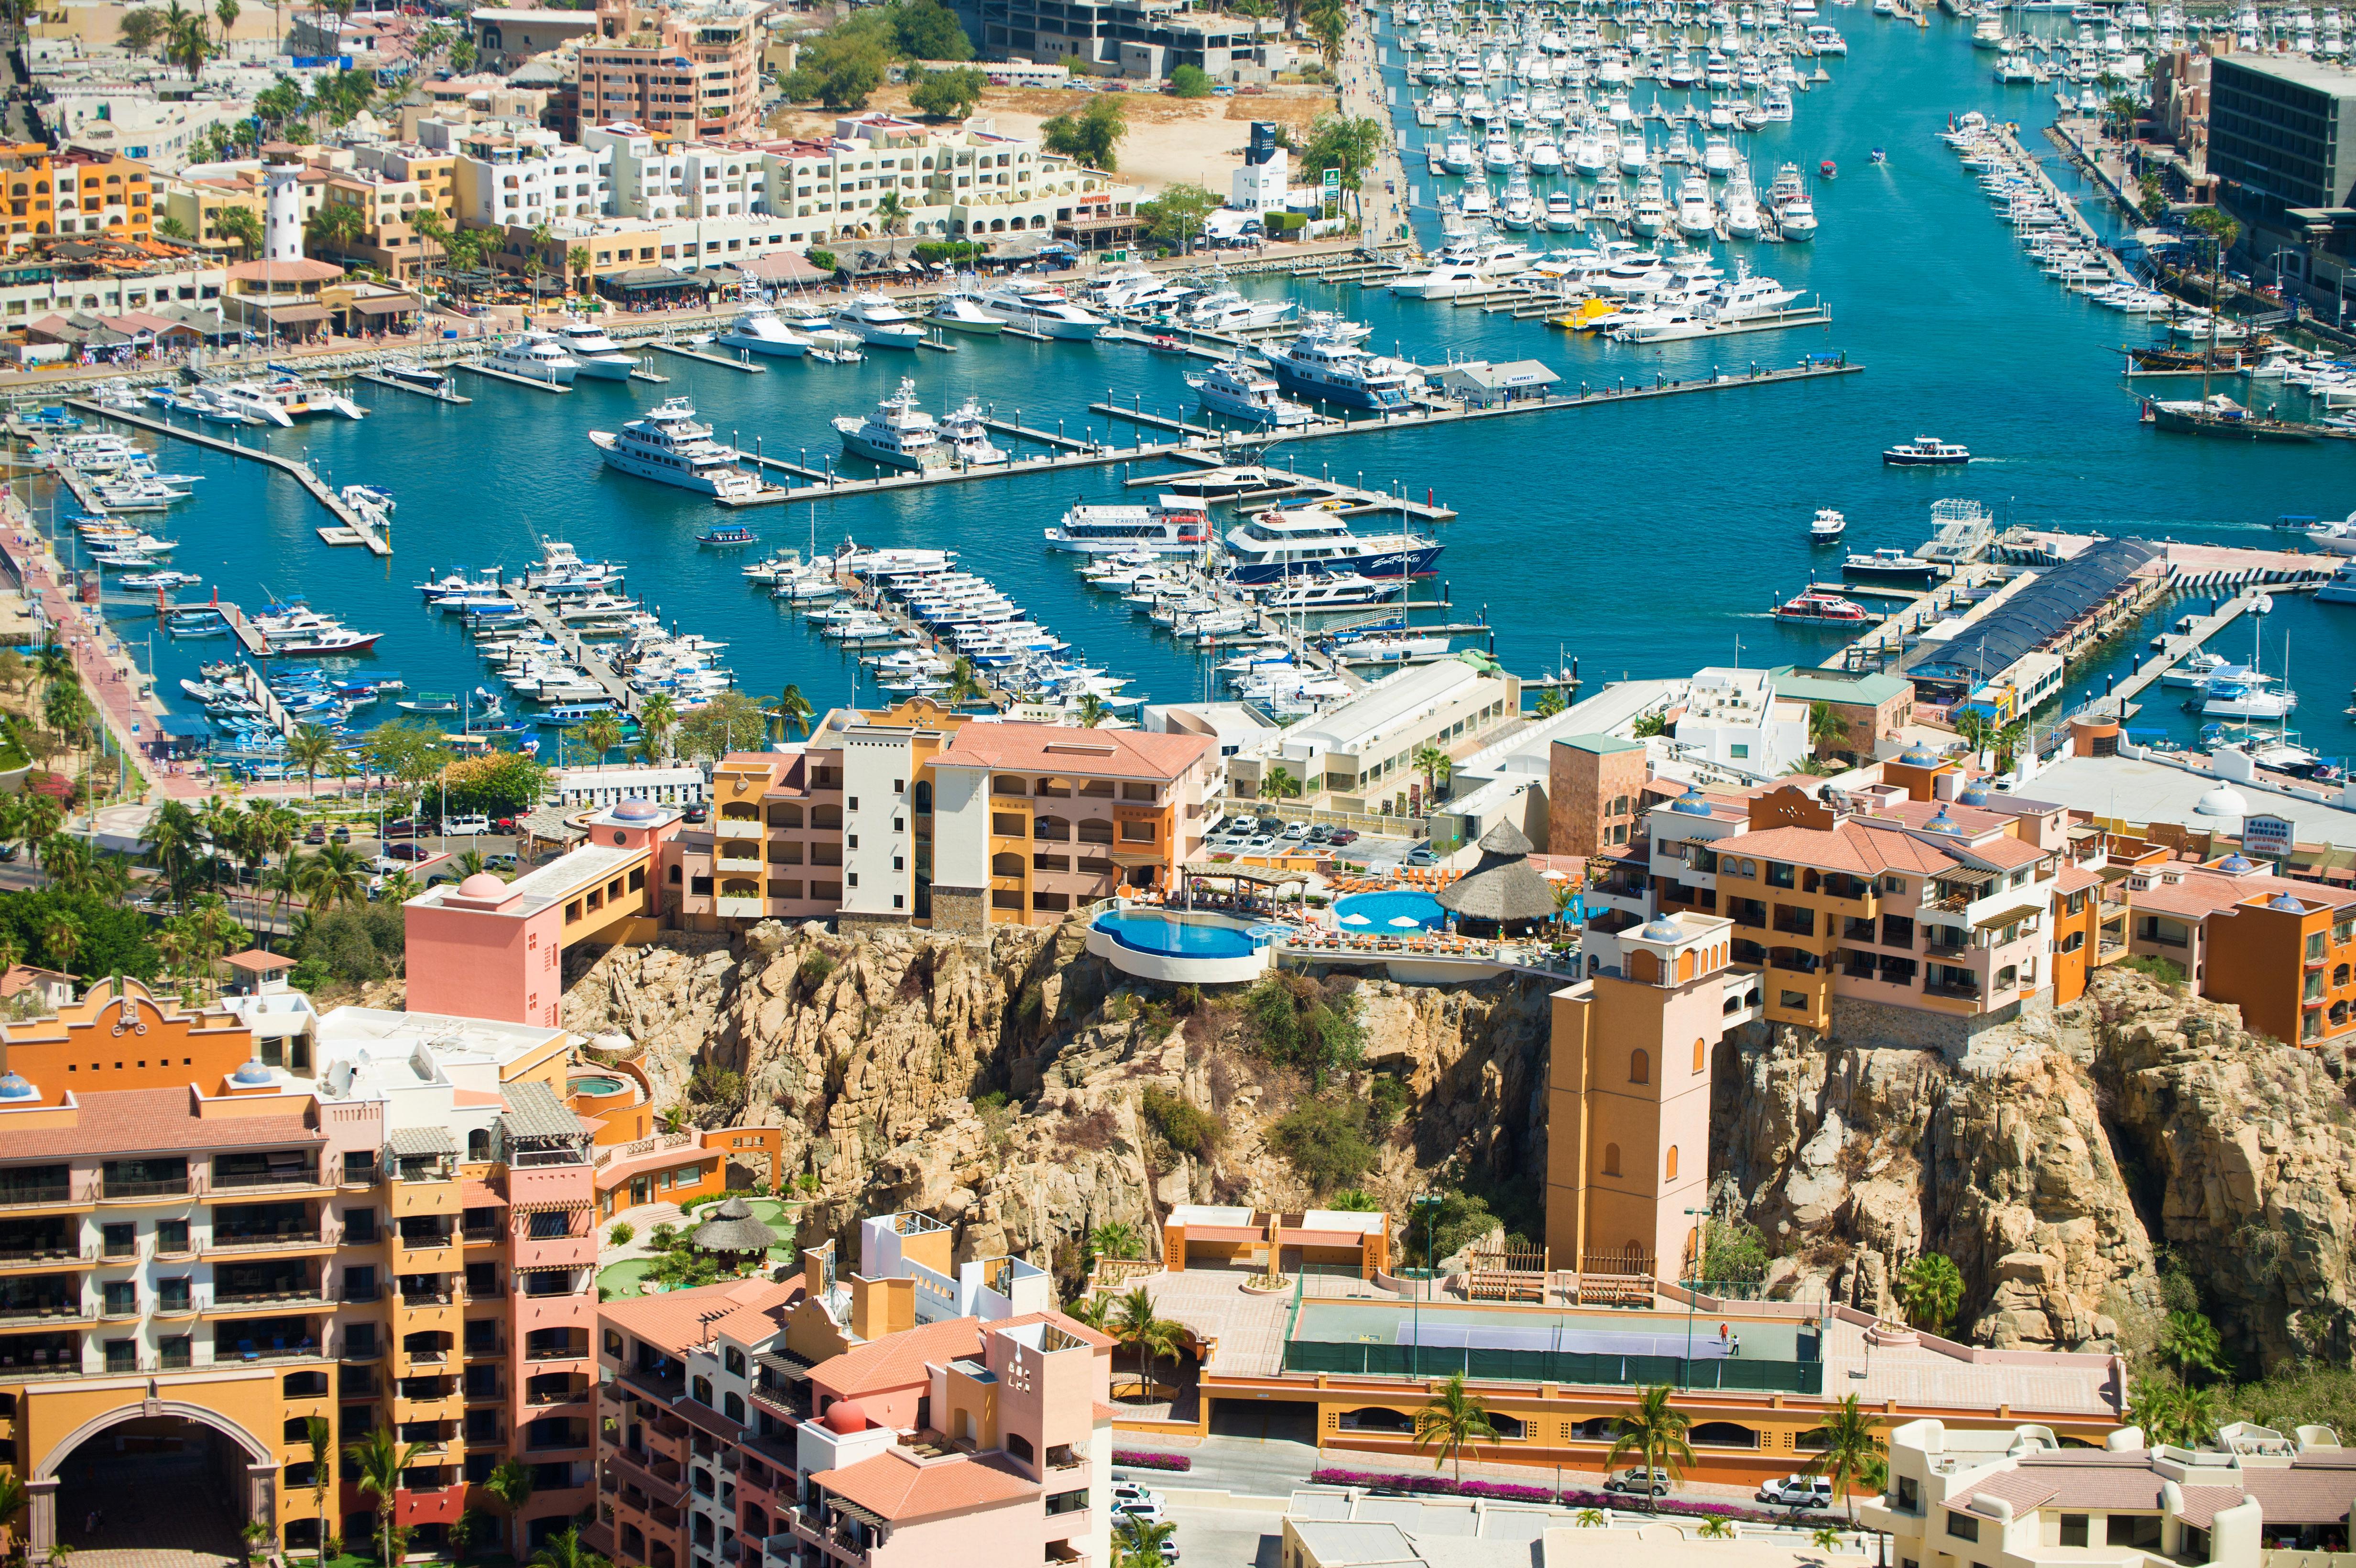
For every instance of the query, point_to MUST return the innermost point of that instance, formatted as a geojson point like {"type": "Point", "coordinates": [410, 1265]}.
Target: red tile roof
{"type": "Point", "coordinates": [677, 1320]}
{"type": "Point", "coordinates": [1059, 749]}
{"type": "Point", "coordinates": [898, 1360]}
{"type": "Point", "coordinates": [142, 1121]}
{"type": "Point", "coordinates": [896, 1485]}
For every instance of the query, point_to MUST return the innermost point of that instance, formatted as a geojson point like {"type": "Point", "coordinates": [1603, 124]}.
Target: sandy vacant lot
{"type": "Point", "coordinates": [1169, 139]}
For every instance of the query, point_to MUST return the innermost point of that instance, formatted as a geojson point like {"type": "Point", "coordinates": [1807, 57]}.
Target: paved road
{"type": "Point", "coordinates": [1231, 1538]}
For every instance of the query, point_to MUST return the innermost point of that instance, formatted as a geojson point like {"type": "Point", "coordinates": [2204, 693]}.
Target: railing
{"type": "Point", "coordinates": [254, 1240]}
{"type": "Point", "coordinates": [232, 1180]}
{"type": "Point", "coordinates": [655, 1145]}
{"type": "Point", "coordinates": [1950, 990]}
{"type": "Point", "coordinates": [150, 1187]}
{"type": "Point", "coordinates": [41, 1311]}
{"type": "Point", "coordinates": [268, 1295]}
{"type": "Point", "coordinates": [47, 1251]}
{"type": "Point", "coordinates": [26, 1194]}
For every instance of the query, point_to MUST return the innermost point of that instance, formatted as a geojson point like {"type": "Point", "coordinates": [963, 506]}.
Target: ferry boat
{"type": "Point", "coordinates": [1816, 604]}
{"type": "Point", "coordinates": [1827, 526]}
{"type": "Point", "coordinates": [598, 357]}
{"type": "Point", "coordinates": [1237, 390]}
{"type": "Point", "coordinates": [1173, 525]}
{"type": "Point", "coordinates": [1275, 546]}
{"type": "Point", "coordinates": [1328, 362]}
{"type": "Point", "coordinates": [877, 321]}
{"type": "Point", "coordinates": [666, 445]}
{"type": "Point", "coordinates": [898, 434]}
{"type": "Point", "coordinates": [1891, 566]}
{"type": "Point", "coordinates": [731, 535]}
{"type": "Point", "coordinates": [536, 357]}
{"type": "Point", "coordinates": [1925, 452]}
{"type": "Point", "coordinates": [758, 330]}
{"type": "Point", "coordinates": [1339, 591]}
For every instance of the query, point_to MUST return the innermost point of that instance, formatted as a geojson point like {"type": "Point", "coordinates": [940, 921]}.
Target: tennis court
{"type": "Point", "coordinates": [1565, 1337]}
{"type": "Point", "coordinates": [1620, 1333]}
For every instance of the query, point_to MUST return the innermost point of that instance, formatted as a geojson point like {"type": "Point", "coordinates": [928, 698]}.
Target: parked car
{"type": "Point", "coordinates": [385, 865]}
{"type": "Point", "coordinates": [408, 852]}
{"type": "Point", "coordinates": [1799, 1492]}
{"type": "Point", "coordinates": [499, 862]}
{"type": "Point", "coordinates": [1421, 856]}
{"type": "Point", "coordinates": [1127, 1492]}
{"type": "Point", "coordinates": [1257, 843]}
{"type": "Point", "coordinates": [1298, 830]}
{"type": "Point", "coordinates": [342, 835]}
{"type": "Point", "coordinates": [466, 826]}
{"type": "Point", "coordinates": [1320, 834]}
{"type": "Point", "coordinates": [1271, 825]}
{"type": "Point", "coordinates": [401, 827]}
{"type": "Point", "coordinates": [318, 834]}
{"type": "Point", "coordinates": [696, 814]}
{"type": "Point", "coordinates": [1344, 836]}
{"type": "Point", "coordinates": [1145, 1510]}
{"type": "Point", "coordinates": [1635, 1481]}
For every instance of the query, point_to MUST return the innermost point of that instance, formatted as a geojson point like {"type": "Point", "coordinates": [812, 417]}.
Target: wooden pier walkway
{"type": "Point", "coordinates": [746, 366]}
{"type": "Point", "coordinates": [479, 368]}
{"type": "Point", "coordinates": [444, 396]}
{"type": "Point", "coordinates": [537, 610]}
{"type": "Point", "coordinates": [2181, 646]}
{"type": "Point", "coordinates": [361, 530]}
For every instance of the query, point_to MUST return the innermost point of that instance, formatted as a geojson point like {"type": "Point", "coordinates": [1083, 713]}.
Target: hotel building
{"type": "Point", "coordinates": [685, 73]}
{"type": "Point", "coordinates": [217, 1226]}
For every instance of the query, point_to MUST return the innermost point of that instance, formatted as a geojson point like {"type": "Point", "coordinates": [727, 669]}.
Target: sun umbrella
{"type": "Point", "coordinates": [1405, 922]}
{"type": "Point", "coordinates": [1556, 876]}
{"type": "Point", "coordinates": [1356, 919]}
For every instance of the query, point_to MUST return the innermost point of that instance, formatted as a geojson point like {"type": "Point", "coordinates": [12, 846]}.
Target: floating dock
{"type": "Point", "coordinates": [360, 529]}
{"type": "Point", "coordinates": [545, 618]}
{"type": "Point", "coordinates": [746, 366]}
{"type": "Point", "coordinates": [480, 369]}
{"type": "Point", "coordinates": [446, 394]}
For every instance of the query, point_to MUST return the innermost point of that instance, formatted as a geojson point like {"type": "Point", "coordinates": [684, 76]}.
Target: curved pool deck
{"type": "Point", "coordinates": [1181, 948]}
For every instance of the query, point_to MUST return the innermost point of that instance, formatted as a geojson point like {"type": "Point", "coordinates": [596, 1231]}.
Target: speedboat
{"type": "Point", "coordinates": [758, 330]}
{"type": "Point", "coordinates": [1816, 604]}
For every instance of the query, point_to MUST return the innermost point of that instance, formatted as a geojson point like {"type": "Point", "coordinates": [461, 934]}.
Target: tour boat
{"type": "Point", "coordinates": [1925, 452]}
{"type": "Point", "coordinates": [1827, 527]}
{"type": "Point", "coordinates": [732, 534]}
{"type": "Point", "coordinates": [1277, 546]}
{"type": "Point", "coordinates": [1173, 525]}
{"type": "Point", "coordinates": [1816, 604]}
{"type": "Point", "coordinates": [1892, 566]}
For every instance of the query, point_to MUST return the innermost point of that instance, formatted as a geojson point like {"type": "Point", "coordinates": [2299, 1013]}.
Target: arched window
{"type": "Point", "coordinates": [1006, 865]}
{"type": "Point", "coordinates": [1724, 1435]}
{"type": "Point", "coordinates": [924, 794]}
{"type": "Point", "coordinates": [732, 1407]}
{"type": "Point", "coordinates": [704, 1391]}
{"type": "Point", "coordinates": [1610, 1160]}
{"type": "Point", "coordinates": [1375, 1418]}
{"type": "Point", "coordinates": [1701, 1055]}
{"type": "Point", "coordinates": [1670, 1166]}
{"type": "Point", "coordinates": [733, 1360]}
{"type": "Point", "coordinates": [2007, 976]}
{"type": "Point", "coordinates": [1020, 1446]}
{"type": "Point", "coordinates": [674, 876]}
{"type": "Point", "coordinates": [1640, 1067]}
{"type": "Point", "coordinates": [478, 1143]}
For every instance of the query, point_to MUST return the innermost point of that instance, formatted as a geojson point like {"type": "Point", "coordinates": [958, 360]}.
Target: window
{"type": "Point", "coordinates": [1963, 1526]}
{"type": "Point", "coordinates": [1610, 1160]}
{"type": "Point", "coordinates": [1701, 1055]}
{"type": "Point", "coordinates": [2074, 1530]}
{"type": "Point", "coordinates": [171, 1235]}
{"type": "Point", "coordinates": [1910, 1497]}
{"type": "Point", "coordinates": [2137, 1529]}
{"type": "Point", "coordinates": [1640, 1067]}
{"type": "Point", "coordinates": [1724, 1435]}
{"type": "Point", "coordinates": [1670, 1171]}
{"type": "Point", "coordinates": [731, 1360]}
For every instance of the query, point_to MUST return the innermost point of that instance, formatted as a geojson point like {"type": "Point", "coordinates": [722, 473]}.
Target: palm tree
{"type": "Point", "coordinates": [1828, 730]}
{"type": "Point", "coordinates": [282, 883]}
{"type": "Point", "coordinates": [322, 1438]}
{"type": "Point", "coordinates": [1826, 1536]}
{"type": "Point", "coordinates": [1140, 1543]}
{"type": "Point", "coordinates": [1849, 1446]}
{"type": "Point", "coordinates": [1095, 1311]}
{"type": "Point", "coordinates": [1454, 1420]}
{"type": "Point", "coordinates": [241, 226]}
{"type": "Point", "coordinates": [1092, 710]}
{"type": "Point", "coordinates": [1931, 1288]}
{"type": "Point", "coordinates": [1435, 766]}
{"type": "Point", "coordinates": [577, 265]}
{"type": "Point", "coordinates": [309, 749]}
{"type": "Point", "coordinates": [510, 1482]}
{"type": "Point", "coordinates": [1715, 1529]}
{"type": "Point", "coordinates": [1979, 729]}
{"type": "Point", "coordinates": [656, 718]}
{"type": "Point", "coordinates": [61, 938]}
{"type": "Point", "coordinates": [334, 877]}
{"type": "Point", "coordinates": [225, 12]}
{"type": "Point", "coordinates": [1152, 1338]}
{"type": "Point", "coordinates": [12, 1499]}
{"type": "Point", "coordinates": [965, 682]}
{"type": "Point", "coordinates": [1278, 784]}
{"type": "Point", "coordinates": [1113, 1240]}
{"type": "Point", "coordinates": [565, 1550]}
{"type": "Point", "coordinates": [792, 709]}
{"type": "Point", "coordinates": [2009, 740]}
{"type": "Point", "coordinates": [381, 1462]}
{"type": "Point", "coordinates": [1656, 1431]}
{"type": "Point", "coordinates": [2188, 1342]}
{"type": "Point", "coordinates": [891, 212]}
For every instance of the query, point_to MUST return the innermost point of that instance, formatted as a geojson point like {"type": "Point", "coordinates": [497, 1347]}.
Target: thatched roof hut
{"type": "Point", "coordinates": [1505, 891]}
{"type": "Point", "coordinates": [733, 1228]}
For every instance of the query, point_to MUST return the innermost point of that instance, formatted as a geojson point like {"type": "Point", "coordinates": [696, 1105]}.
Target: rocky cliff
{"type": "Point", "coordinates": [997, 1085]}
{"type": "Point", "coordinates": [2060, 1164]}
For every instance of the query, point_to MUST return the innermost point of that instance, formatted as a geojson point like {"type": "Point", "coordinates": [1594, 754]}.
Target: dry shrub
{"type": "Point", "coordinates": [1094, 1131]}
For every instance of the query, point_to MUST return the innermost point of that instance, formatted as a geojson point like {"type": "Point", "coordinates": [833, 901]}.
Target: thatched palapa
{"type": "Point", "coordinates": [1504, 890]}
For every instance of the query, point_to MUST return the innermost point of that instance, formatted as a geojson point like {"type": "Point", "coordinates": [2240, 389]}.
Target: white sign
{"type": "Point", "coordinates": [2273, 837]}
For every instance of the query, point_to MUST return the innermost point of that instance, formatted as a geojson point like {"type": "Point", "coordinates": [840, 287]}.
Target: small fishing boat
{"type": "Point", "coordinates": [1826, 525]}
{"type": "Point", "coordinates": [732, 534]}
{"type": "Point", "coordinates": [1827, 170]}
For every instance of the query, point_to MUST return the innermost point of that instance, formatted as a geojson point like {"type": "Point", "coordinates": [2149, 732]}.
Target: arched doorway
{"type": "Point", "coordinates": [157, 1476]}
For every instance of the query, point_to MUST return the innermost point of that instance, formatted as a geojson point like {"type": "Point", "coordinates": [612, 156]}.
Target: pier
{"type": "Point", "coordinates": [248, 634]}
{"type": "Point", "coordinates": [746, 366]}
{"type": "Point", "coordinates": [547, 621]}
{"type": "Point", "coordinates": [2177, 648]}
{"type": "Point", "coordinates": [361, 530]}
{"type": "Point", "coordinates": [446, 394]}
{"type": "Point", "coordinates": [480, 369]}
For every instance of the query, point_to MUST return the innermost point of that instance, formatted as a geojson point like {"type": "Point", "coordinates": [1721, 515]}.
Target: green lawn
{"type": "Point", "coordinates": [622, 1279]}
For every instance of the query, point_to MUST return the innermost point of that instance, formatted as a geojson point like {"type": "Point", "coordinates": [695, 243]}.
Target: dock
{"type": "Point", "coordinates": [362, 531]}
{"type": "Point", "coordinates": [480, 369]}
{"type": "Point", "coordinates": [744, 365]}
{"type": "Point", "coordinates": [545, 619]}
{"type": "Point", "coordinates": [444, 396]}
{"type": "Point", "coordinates": [2180, 646]}
{"type": "Point", "coordinates": [248, 634]}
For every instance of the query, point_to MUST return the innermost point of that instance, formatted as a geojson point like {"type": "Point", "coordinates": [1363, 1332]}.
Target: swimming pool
{"type": "Point", "coordinates": [1147, 931]}
{"type": "Point", "coordinates": [1380, 910]}
{"type": "Point", "coordinates": [596, 1085]}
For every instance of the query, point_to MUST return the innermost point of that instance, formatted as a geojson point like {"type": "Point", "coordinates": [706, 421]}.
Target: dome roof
{"type": "Point", "coordinates": [1919, 755]}
{"type": "Point", "coordinates": [481, 885]}
{"type": "Point", "coordinates": [2287, 903]}
{"type": "Point", "coordinates": [1942, 823]}
{"type": "Point", "coordinates": [14, 1087]}
{"type": "Point", "coordinates": [2221, 802]}
{"type": "Point", "coordinates": [1972, 794]}
{"type": "Point", "coordinates": [2237, 863]}
{"type": "Point", "coordinates": [635, 810]}
{"type": "Point", "coordinates": [251, 1070]}
{"type": "Point", "coordinates": [1691, 803]}
{"type": "Point", "coordinates": [1661, 928]}
{"type": "Point", "coordinates": [845, 1416]}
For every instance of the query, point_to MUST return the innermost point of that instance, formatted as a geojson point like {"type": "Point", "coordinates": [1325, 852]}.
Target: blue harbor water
{"type": "Point", "coordinates": [1642, 539]}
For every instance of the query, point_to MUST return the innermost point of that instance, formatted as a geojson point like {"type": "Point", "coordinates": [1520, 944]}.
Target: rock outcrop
{"type": "Point", "coordinates": [2054, 1164]}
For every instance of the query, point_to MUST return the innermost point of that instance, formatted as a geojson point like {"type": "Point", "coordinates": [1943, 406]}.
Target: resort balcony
{"type": "Point", "coordinates": [661, 1479]}
{"type": "Point", "coordinates": [727, 828]}
{"type": "Point", "coordinates": [1953, 990]}
{"type": "Point", "coordinates": [35, 1313]}
{"type": "Point", "coordinates": [114, 1189]}
{"type": "Point", "coordinates": [51, 1188]}
{"type": "Point", "coordinates": [249, 1176]}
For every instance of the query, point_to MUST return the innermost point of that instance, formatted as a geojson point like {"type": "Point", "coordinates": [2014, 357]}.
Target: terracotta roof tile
{"type": "Point", "coordinates": [2004, 851]}
{"type": "Point", "coordinates": [2102, 1486]}
{"type": "Point", "coordinates": [2076, 880]}
{"type": "Point", "coordinates": [140, 1121]}
{"type": "Point", "coordinates": [898, 1362]}
{"type": "Point", "coordinates": [895, 1485]}
{"type": "Point", "coordinates": [2303, 1494]}
{"type": "Point", "coordinates": [1057, 749]}
{"type": "Point", "coordinates": [2201, 1504]}
{"type": "Point", "coordinates": [747, 1310]}
{"type": "Point", "coordinates": [2024, 1490]}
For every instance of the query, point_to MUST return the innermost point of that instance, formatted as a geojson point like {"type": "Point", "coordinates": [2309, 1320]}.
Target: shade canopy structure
{"type": "Point", "coordinates": [733, 1228]}
{"type": "Point", "coordinates": [1505, 891]}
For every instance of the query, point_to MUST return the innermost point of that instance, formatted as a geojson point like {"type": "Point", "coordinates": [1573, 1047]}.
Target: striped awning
{"type": "Point", "coordinates": [850, 1509]}
{"type": "Point", "coordinates": [553, 1205]}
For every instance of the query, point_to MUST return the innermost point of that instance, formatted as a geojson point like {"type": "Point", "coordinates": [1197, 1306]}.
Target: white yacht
{"type": "Point", "coordinates": [1827, 526]}
{"type": "Point", "coordinates": [599, 356]}
{"type": "Point", "coordinates": [536, 357]}
{"type": "Point", "coordinates": [960, 313]}
{"type": "Point", "coordinates": [898, 434]}
{"type": "Point", "coordinates": [1044, 312]}
{"type": "Point", "coordinates": [281, 398]}
{"type": "Point", "coordinates": [878, 321]}
{"type": "Point", "coordinates": [968, 437]}
{"type": "Point", "coordinates": [1173, 525]}
{"type": "Point", "coordinates": [1329, 362]}
{"type": "Point", "coordinates": [666, 445]}
{"type": "Point", "coordinates": [758, 330]}
{"type": "Point", "coordinates": [1238, 392]}
{"type": "Point", "coordinates": [1275, 546]}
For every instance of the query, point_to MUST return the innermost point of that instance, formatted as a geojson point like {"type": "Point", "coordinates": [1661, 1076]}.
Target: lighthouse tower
{"type": "Point", "coordinates": [282, 222]}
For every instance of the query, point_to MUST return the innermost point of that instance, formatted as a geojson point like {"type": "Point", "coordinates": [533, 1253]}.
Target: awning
{"type": "Point", "coordinates": [788, 1366]}
{"type": "Point", "coordinates": [845, 1507]}
{"type": "Point", "coordinates": [289, 314]}
{"type": "Point", "coordinates": [377, 305]}
{"type": "Point", "coordinates": [413, 1143]}
{"type": "Point", "coordinates": [2006, 917]}
{"type": "Point", "coordinates": [553, 1205]}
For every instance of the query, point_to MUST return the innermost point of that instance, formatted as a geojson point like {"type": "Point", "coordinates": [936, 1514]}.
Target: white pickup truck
{"type": "Point", "coordinates": [1799, 1492]}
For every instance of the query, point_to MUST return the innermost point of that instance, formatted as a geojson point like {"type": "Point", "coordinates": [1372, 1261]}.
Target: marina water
{"type": "Point", "coordinates": [1642, 539]}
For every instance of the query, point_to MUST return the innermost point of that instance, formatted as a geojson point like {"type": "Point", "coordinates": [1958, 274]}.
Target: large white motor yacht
{"type": "Point", "coordinates": [898, 434]}
{"type": "Point", "coordinates": [599, 356]}
{"type": "Point", "coordinates": [878, 321]}
{"type": "Point", "coordinates": [758, 330]}
{"type": "Point", "coordinates": [536, 357]}
{"type": "Point", "coordinates": [1044, 312]}
{"type": "Point", "coordinates": [666, 445]}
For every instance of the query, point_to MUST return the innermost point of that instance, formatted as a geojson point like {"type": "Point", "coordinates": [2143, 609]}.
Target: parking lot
{"type": "Point", "coordinates": [1243, 835]}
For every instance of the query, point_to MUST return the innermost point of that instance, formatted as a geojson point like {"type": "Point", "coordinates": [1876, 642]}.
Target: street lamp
{"type": "Point", "coordinates": [1427, 1205]}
